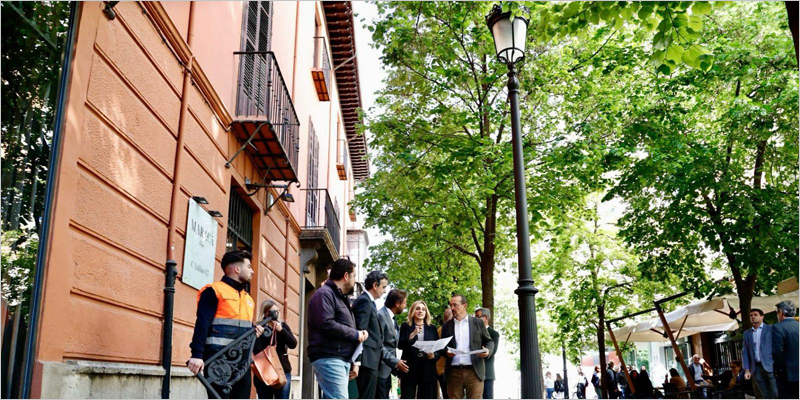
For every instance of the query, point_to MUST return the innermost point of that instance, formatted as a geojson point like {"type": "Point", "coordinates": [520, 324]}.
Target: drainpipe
{"type": "Point", "coordinates": [29, 354]}
{"type": "Point", "coordinates": [171, 271]}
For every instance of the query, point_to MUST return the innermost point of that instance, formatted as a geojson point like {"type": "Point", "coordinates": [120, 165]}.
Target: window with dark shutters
{"type": "Point", "coordinates": [312, 202]}
{"type": "Point", "coordinates": [257, 34]}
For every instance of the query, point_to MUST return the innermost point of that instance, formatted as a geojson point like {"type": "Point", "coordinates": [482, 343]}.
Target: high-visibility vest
{"type": "Point", "coordinates": [234, 316]}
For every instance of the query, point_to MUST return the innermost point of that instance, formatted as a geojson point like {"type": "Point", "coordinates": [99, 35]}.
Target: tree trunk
{"type": "Point", "coordinates": [601, 345]}
{"type": "Point", "coordinates": [744, 289]}
{"type": "Point", "coordinates": [792, 9]}
{"type": "Point", "coordinates": [488, 261]}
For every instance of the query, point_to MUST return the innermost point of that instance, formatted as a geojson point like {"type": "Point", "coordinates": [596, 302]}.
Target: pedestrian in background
{"type": "Point", "coordinates": [440, 365]}
{"type": "Point", "coordinates": [549, 385]}
{"type": "Point", "coordinates": [785, 350]}
{"type": "Point", "coordinates": [488, 384]}
{"type": "Point", "coordinates": [284, 339]}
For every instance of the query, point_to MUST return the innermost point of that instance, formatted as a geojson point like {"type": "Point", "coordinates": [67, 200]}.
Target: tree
{"type": "Point", "coordinates": [708, 161]}
{"type": "Point", "coordinates": [590, 275]}
{"type": "Point", "coordinates": [444, 170]}
{"type": "Point", "coordinates": [33, 38]}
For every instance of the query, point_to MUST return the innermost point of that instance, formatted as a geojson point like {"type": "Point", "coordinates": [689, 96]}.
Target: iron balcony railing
{"type": "Point", "coordinates": [262, 92]}
{"type": "Point", "coordinates": [322, 215]}
{"type": "Point", "coordinates": [322, 59]}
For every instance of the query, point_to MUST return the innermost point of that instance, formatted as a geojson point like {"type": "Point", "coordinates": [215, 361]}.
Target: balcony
{"type": "Point", "coordinates": [321, 229]}
{"type": "Point", "coordinates": [341, 160]}
{"type": "Point", "coordinates": [321, 72]}
{"type": "Point", "coordinates": [266, 121]}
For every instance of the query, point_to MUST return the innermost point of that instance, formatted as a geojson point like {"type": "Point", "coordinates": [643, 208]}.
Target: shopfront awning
{"type": "Point", "coordinates": [717, 314]}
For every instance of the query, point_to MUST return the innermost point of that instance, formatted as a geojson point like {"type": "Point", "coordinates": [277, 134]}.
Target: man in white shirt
{"type": "Point", "coordinates": [465, 372]}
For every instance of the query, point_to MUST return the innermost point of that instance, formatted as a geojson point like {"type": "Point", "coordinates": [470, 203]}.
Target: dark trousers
{"type": "Point", "coordinates": [412, 389]}
{"type": "Point", "coordinates": [764, 382]}
{"type": "Point", "coordinates": [786, 389]}
{"type": "Point", "coordinates": [267, 392]}
{"type": "Point", "coordinates": [598, 391]}
{"type": "Point", "coordinates": [239, 390]}
{"type": "Point", "coordinates": [367, 382]}
{"type": "Point", "coordinates": [384, 387]}
{"type": "Point", "coordinates": [488, 389]}
{"type": "Point", "coordinates": [442, 386]}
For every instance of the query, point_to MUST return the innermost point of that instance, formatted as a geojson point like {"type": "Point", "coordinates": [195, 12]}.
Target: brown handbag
{"type": "Point", "coordinates": [267, 366]}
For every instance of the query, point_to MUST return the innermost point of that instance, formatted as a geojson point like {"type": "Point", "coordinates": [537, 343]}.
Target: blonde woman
{"type": "Point", "coordinates": [420, 380]}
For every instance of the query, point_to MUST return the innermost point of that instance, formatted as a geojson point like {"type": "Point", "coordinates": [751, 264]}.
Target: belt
{"type": "Point", "coordinates": [461, 366]}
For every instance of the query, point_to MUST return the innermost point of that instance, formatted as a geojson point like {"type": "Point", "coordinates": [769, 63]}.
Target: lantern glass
{"type": "Point", "coordinates": [509, 36]}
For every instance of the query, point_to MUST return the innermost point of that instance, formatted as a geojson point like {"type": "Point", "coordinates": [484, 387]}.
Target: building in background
{"type": "Point", "coordinates": [192, 127]}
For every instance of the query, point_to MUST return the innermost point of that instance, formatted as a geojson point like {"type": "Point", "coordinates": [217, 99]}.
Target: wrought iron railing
{"type": "Point", "coordinates": [322, 59]}
{"type": "Point", "coordinates": [322, 215]}
{"type": "Point", "coordinates": [262, 92]}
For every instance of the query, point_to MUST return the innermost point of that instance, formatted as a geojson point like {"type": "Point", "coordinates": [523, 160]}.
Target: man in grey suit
{"type": "Point", "coordinates": [394, 305]}
{"type": "Point", "coordinates": [366, 316]}
{"type": "Point", "coordinates": [465, 372]}
{"type": "Point", "coordinates": [488, 384]}
{"type": "Point", "coordinates": [757, 356]}
{"type": "Point", "coordinates": [785, 351]}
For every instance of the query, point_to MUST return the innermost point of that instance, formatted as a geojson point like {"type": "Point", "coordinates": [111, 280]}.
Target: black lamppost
{"type": "Point", "coordinates": [509, 42]}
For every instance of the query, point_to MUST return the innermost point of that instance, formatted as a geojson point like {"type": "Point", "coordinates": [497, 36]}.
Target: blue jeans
{"type": "Point", "coordinates": [332, 376]}
{"type": "Point", "coordinates": [550, 392]}
{"type": "Point", "coordinates": [266, 392]}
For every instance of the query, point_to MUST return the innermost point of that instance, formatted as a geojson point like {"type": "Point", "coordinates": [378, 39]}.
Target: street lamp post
{"type": "Point", "coordinates": [509, 41]}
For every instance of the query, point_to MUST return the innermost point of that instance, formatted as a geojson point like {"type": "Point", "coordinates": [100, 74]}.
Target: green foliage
{"type": "Point", "coordinates": [709, 161]}
{"type": "Point", "coordinates": [18, 252]}
{"type": "Point", "coordinates": [677, 26]}
{"type": "Point", "coordinates": [585, 267]}
{"type": "Point", "coordinates": [33, 39]}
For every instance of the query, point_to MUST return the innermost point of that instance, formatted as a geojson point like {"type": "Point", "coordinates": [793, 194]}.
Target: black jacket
{"type": "Point", "coordinates": [420, 368]}
{"type": "Point", "coordinates": [490, 360]}
{"type": "Point", "coordinates": [284, 340]}
{"type": "Point", "coordinates": [784, 349]}
{"type": "Point", "coordinates": [366, 315]}
{"type": "Point", "coordinates": [331, 327]}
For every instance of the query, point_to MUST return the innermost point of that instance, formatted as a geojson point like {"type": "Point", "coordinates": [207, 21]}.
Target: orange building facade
{"type": "Point", "coordinates": [161, 102]}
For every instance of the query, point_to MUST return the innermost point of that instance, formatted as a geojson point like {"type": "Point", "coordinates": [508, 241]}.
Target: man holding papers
{"type": "Point", "coordinates": [469, 346]}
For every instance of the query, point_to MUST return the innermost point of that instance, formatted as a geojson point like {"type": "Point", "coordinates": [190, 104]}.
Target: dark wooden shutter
{"type": "Point", "coordinates": [312, 202]}
{"type": "Point", "coordinates": [257, 35]}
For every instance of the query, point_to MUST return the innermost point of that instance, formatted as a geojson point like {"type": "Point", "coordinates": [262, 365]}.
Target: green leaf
{"type": "Point", "coordinates": [675, 52]}
{"type": "Point", "coordinates": [691, 55]}
{"type": "Point", "coordinates": [645, 12]}
{"type": "Point", "coordinates": [695, 23]}
{"type": "Point", "coordinates": [701, 8]}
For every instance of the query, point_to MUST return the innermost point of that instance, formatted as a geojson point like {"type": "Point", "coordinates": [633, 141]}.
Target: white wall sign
{"type": "Point", "coordinates": [201, 247]}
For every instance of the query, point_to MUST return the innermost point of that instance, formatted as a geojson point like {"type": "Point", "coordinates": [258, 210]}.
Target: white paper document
{"type": "Point", "coordinates": [431, 346]}
{"type": "Point", "coordinates": [458, 352]}
{"type": "Point", "coordinates": [357, 353]}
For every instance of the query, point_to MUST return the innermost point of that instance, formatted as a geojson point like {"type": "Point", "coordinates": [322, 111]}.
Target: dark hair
{"type": "Point", "coordinates": [673, 372]}
{"type": "Point", "coordinates": [235, 256]}
{"type": "Point", "coordinates": [463, 298]}
{"type": "Point", "coordinates": [758, 310]}
{"type": "Point", "coordinates": [266, 305]}
{"type": "Point", "coordinates": [373, 278]}
{"type": "Point", "coordinates": [395, 297]}
{"type": "Point", "coordinates": [341, 267]}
